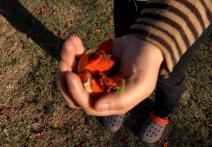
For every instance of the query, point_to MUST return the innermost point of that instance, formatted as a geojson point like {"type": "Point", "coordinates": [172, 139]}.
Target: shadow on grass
{"type": "Point", "coordinates": [21, 19]}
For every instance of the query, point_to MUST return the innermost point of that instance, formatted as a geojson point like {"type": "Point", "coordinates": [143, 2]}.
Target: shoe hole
{"type": "Point", "coordinates": [146, 134]}
{"type": "Point", "coordinates": [149, 131]}
{"type": "Point", "coordinates": [112, 124]}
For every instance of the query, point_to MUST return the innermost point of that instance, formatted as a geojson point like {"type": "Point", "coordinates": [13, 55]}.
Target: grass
{"type": "Point", "coordinates": [33, 113]}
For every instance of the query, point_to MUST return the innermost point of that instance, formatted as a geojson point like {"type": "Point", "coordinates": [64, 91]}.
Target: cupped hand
{"type": "Point", "coordinates": [140, 64]}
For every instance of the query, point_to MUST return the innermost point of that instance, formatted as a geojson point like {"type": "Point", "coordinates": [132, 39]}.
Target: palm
{"type": "Point", "coordinates": [140, 63]}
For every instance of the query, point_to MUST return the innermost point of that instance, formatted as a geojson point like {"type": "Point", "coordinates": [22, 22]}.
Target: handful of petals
{"type": "Point", "coordinates": [99, 71]}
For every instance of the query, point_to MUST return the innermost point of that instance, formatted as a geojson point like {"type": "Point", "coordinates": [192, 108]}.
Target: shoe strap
{"type": "Point", "coordinates": [159, 121]}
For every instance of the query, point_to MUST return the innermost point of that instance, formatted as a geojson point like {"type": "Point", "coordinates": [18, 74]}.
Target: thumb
{"type": "Point", "coordinates": [109, 102]}
{"type": "Point", "coordinates": [114, 103]}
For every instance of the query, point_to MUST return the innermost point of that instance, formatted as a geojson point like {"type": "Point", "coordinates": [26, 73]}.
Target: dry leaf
{"type": "Point", "coordinates": [110, 35]}
{"type": "Point", "coordinates": [42, 93]}
{"type": "Point", "coordinates": [98, 31]}
{"type": "Point", "coordinates": [126, 141]}
{"type": "Point", "coordinates": [39, 134]}
{"type": "Point", "coordinates": [4, 110]}
{"type": "Point", "coordinates": [44, 10]}
{"type": "Point", "coordinates": [110, 21]}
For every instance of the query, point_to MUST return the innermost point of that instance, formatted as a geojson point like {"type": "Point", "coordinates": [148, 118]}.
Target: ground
{"type": "Point", "coordinates": [32, 111]}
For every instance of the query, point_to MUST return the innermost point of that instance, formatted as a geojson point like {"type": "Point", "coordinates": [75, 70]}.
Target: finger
{"type": "Point", "coordinates": [66, 95]}
{"type": "Point", "coordinates": [72, 47]}
{"type": "Point", "coordinates": [63, 68]}
{"type": "Point", "coordinates": [78, 43]}
{"type": "Point", "coordinates": [74, 85]}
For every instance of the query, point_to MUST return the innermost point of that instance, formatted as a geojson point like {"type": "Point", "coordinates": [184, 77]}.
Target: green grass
{"type": "Point", "coordinates": [30, 42]}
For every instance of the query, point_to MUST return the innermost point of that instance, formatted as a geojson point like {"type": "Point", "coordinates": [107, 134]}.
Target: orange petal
{"type": "Point", "coordinates": [99, 64]}
{"type": "Point", "coordinates": [95, 86]}
{"type": "Point", "coordinates": [110, 83]}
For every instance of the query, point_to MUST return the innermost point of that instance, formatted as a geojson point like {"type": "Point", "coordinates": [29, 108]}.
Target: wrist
{"type": "Point", "coordinates": [153, 50]}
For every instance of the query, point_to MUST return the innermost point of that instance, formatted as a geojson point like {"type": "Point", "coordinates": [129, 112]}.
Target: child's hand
{"type": "Point", "coordinates": [140, 63]}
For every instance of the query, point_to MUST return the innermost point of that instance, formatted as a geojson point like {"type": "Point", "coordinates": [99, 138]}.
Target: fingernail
{"type": "Point", "coordinates": [102, 107]}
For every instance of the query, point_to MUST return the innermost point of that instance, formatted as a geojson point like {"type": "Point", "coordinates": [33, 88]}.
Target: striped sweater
{"type": "Point", "coordinates": [173, 26]}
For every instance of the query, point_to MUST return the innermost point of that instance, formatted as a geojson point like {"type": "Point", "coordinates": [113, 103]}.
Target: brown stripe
{"type": "Point", "coordinates": [165, 32]}
{"type": "Point", "coordinates": [168, 21]}
{"type": "Point", "coordinates": [195, 10]}
{"type": "Point", "coordinates": [209, 15]}
{"type": "Point", "coordinates": [158, 39]}
{"type": "Point", "coordinates": [194, 20]}
{"type": "Point", "coordinates": [176, 12]}
{"type": "Point", "coordinates": [168, 28]}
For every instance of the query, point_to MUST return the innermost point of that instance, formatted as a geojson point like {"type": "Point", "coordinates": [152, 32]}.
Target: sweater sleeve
{"type": "Point", "coordinates": [173, 26]}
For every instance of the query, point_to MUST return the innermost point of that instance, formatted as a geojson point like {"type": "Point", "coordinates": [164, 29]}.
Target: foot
{"type": "Point", "coordinates": [153, 129]}
{"type": "Point", "coordinates": [113, 122]}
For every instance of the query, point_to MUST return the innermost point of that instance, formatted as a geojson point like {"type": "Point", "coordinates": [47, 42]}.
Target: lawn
{"type": "Point", "coordinates": [32, 111]}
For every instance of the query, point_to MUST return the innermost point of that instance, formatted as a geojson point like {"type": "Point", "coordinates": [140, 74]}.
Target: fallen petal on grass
{"type": "Point", "coordinates": [43, 10]}
{"type": "Point", "coordinates": [98, 31]}
{"type": "Point", "coordinates": [4, 110]}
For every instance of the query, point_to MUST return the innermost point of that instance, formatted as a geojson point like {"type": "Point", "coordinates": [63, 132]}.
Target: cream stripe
{"type": "Point", "coordinates": [194, 20]}
{"type": "Point", "coordinates": [201, 9]}
{"type": "Point", "coordinates": [168, 28]}
{"type": "Point", "coordinates": [209, 4]}
{"type": "Point", "coordinates": [193, 17]}
{"type": "Point", "coordinates": [178, 20]}
{"type": "Point", "coordinates": [160, 34]}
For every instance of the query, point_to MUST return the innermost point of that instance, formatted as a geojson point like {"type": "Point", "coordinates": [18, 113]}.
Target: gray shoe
{"type": "Point", "coordinates": [113, 122]}
{"type": "Point", "coordinates": [153, 129]}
